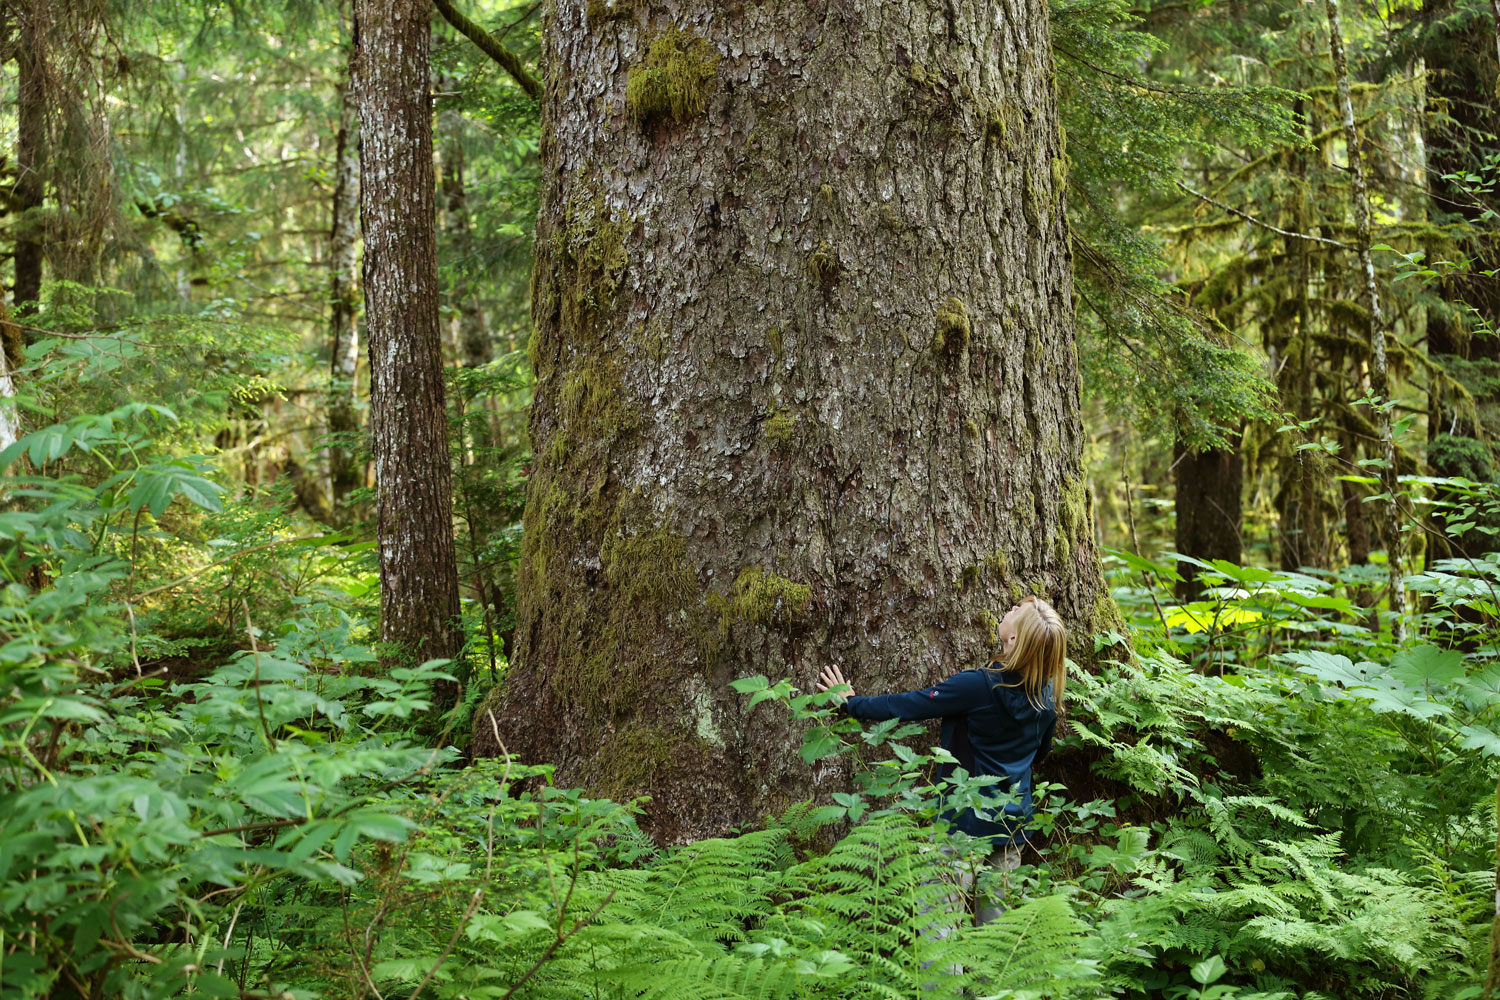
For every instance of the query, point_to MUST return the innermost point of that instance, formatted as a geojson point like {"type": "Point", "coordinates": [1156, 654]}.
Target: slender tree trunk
{"type": "Point", "coordinates": [409, 433]}
{"type": "Point", "coordinates": [1380, 379]}
{"type": "Point", "coordinates": [346, 469]}
{"type": "Point", "coordinates": [1208, 486]}
{"type": "Point", "coordinates": [473, 338]}
{"type": "Point", "coordinates": [806, 383]}
{"type": "Point", "coordinates": [1302, 510]}
{"type": "Point", "coordinates": [31, 130]}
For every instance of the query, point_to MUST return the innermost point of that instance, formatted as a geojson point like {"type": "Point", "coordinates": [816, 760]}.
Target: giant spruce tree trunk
{"type": "Point", "coordinates": [408, 422]}
{"type": "Point", "coordinates": [806, 385]}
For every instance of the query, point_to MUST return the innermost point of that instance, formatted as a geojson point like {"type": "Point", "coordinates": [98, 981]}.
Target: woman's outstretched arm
{"type": "Point", "coordinates": [958, 694]}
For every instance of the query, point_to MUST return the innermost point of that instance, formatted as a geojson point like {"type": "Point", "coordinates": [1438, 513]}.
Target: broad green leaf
{"type": "Point", "coordinates": [1404, 701]}
{"type": "Point", "coordinates": [1428, 665]}
{"type": "Point", "coordinates": [1481, 738]}
{"type": "Point", "coordinates": [819, 742]}
{"type": "Point", "coordinates": [1209, 970]}
{"type": "Point", "coordinates": [1333, 668]}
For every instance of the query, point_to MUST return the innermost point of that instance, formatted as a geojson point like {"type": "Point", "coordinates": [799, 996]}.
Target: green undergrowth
{"type": "Point", "coordinates": [1267, 799]}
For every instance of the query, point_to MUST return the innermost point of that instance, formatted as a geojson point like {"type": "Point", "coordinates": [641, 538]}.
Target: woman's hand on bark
{"type": "Point", "coordinates": [831, 678]}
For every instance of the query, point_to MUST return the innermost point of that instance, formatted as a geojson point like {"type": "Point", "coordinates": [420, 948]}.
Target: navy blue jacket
{"type": "Point", "coordinates": [1007, 734]}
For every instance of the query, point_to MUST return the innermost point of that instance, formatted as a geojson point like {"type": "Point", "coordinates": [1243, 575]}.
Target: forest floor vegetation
{"type": "Point", "coordinates": [210, 787]}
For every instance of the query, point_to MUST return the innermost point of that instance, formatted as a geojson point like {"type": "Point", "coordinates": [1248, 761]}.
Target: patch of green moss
{"type": "Point", "coordinates": [609, 663]}
{"type": "Point", "coordinates": [779, 425]}
{"type": "Point", "coordinates": [998, 563]}
{"type": "Point", "coordinates": [1002, 119]}
{"type": "Point", "coordinates": [591, 398]}
{"type": "Point", "coordinates": [823, 264]}
{"type": "Point", "coordinates": [577, 275]}
{"type": "Point", "coordinates": [971, 428]}
{"type": "Point", "coordinates": [967, 577]}
{"type": "Point", "coordinates": [592, 254]}
{"type": "Point", "coordinates": [631, 760]}
{"type": "Point", "coordinates": [653, 342]}
{"type": "Point", "coordinates": [775, 339]}
{"type": "Point", "coordinates": [1074, 518]}
{"type": "Point", "coordinates": [761, 598]}
{"type": "Point", "coordinates": [953, 329]}
{"type": "Point", "coordinates": [610, 10]}
{"type": "Point", "coordinates": [991, 625]}
{"type": "Point", "coordinates": [674, 80]}
{"type": "Point", "coordinates": [1104, 617]}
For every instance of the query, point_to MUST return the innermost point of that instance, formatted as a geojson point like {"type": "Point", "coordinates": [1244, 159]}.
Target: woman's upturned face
{"type": "Point", "coordinates": [1007, 629]}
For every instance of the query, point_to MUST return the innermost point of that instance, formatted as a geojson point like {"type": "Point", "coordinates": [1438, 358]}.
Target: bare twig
{"type": "Point", "coordinates": [551, 948]}
{"type": "Point", "coordinates": [260, 705]}
{"type": "Point", "coordinates": [463, 921]}
{"type": "Point", "coordinates": [1264, 225]}
{"type": "Point", "coordinates": [219, 562]}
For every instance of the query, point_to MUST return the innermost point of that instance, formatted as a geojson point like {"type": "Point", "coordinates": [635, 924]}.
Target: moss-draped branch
{"type": "Point", "coordinates": [492, 47]}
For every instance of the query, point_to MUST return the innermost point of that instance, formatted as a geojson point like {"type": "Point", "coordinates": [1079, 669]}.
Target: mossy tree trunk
{"type": "Point", "coordinates": [408, 420]}
{"type": "Point", "coordinates": [1380, 387]}
{"type": "Point", "coordinates": [1208, 486]}
{"type": "Point", "coordinates": [806, 381]}
{"type": "Point", "coordinates": [1461, 428]}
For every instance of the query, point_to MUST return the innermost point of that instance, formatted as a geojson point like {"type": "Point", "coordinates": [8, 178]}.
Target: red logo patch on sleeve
{"type": "Point", "coordinates": [932, 693]}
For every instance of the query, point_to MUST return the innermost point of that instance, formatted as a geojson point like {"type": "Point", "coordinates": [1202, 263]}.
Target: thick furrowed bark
{"type": "Point", "coordinates": [806, 391]}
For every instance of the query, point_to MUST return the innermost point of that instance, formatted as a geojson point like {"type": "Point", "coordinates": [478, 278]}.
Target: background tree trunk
{"type": "Point", "coordinates": [806, 381]}
{"type": "Point", "coordinates": [346, 470]}
{"type": "Point", "coordinates": [475, 346]}
{"type": "Point", "coordinates": [1461, 427]}
{"type": "Point", "coordinates": [31, 119]}
{"type": "Point", "coordinates": [408, 421]}
{"type": "Point", "coordinates": [1390, 519]}
{"type": "Point", "coordinates": [1208, 508]}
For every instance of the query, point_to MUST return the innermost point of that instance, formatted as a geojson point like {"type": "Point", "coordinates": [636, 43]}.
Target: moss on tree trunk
{"type": "Point", "coordinates": [806, 382]}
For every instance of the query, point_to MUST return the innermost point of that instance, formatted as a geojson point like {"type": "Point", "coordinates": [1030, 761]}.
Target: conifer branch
{"type": "Point", "coordinates": [492, 47]}
{"type": "Point", "coordinates": [1264, 225]}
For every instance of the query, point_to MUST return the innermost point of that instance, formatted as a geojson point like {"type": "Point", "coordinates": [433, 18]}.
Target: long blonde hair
{"type": "Point", "coordinates": [1040, 653]}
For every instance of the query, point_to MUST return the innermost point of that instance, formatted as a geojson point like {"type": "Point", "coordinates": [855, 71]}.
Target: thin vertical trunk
{"type": "Point", "coordinates": [472, 344]}
{"type": "Point", "coordinates": [1492, 977]}
{"type": "Point", "coordinates": [409, 430]}
{"type": "Point", "coordinates": [473, 338]}
{"type": "Point", "coordinates": [31, 131]}
{"type": "Point", "coordinates": [1380, 379]}
{"type": "Point", "coordinates": [179, 175]}
{"type": "Point", "coordinates": [1303, 511]}
{"type": "Point", "coordinates": [12, 354]}
{"type": "Point", "coordinates": [346, 470]}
